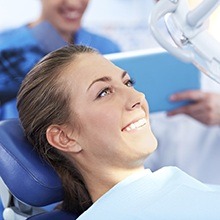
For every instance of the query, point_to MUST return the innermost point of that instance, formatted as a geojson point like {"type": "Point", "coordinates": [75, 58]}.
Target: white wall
{"type": "Point", "coordinates": [16, 12]}
{"type": "Point", "coordinates": [125, 21]}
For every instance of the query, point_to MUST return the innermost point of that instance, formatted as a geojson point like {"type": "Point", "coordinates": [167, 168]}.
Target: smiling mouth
{"type": "Point", "coordinates": [71, 15]}
{"type": "Point", "coordinates": [138, 124]}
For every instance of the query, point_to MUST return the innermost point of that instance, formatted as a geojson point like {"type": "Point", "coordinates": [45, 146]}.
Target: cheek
{"type": "Point", "coordinates": [101, 121]}
{"type": "Point", "coordinates": [50, 11]}
{"type": "Point", "coordinates": [85, 5]}
{"type": "Point", "coordinates": [99, 131]}
{"type": "Point", "coordinates": [50, 5]}
{"type": "Point", "coordinates": [104, 121]}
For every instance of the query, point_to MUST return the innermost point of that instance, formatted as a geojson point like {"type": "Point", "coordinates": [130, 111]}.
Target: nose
{"type": "Point", "coordinates": [135, 99]}
{"type": "Point", "coordinates": [76, 3]}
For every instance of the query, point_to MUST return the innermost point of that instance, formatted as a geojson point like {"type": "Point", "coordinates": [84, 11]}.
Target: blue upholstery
{"type": "Point", "coordinates": [26, 168]}
{"type": "Point", "coordinates": [54, 215]}
{"type": "Point", "coordinates": [1, 211]}
{"type": "Point", "coordinates": [28, 177]}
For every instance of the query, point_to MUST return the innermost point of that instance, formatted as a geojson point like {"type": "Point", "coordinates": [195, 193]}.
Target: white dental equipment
{"type": "Point", "coordinates": [190, 39]}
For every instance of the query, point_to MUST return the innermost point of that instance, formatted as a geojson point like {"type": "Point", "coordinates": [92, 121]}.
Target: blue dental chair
{"type": "Point", "coordinates": [27, 183]}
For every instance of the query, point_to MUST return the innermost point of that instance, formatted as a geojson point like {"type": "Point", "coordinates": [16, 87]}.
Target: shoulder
{"type": "Point", "coordinates": [103, 44]}
{"type": "Point", "coordinates": [16, 37]}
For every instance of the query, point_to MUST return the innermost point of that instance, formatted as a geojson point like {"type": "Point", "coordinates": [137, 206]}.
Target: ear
{"type": "Point", "coordinates": [62, 138]}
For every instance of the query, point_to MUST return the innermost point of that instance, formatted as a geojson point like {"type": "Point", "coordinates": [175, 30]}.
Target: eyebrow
{"type": "Point", "coordinates": [106, 79]}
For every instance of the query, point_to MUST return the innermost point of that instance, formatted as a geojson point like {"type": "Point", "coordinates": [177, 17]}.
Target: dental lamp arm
{"type": "Point", "coordinates": [162, 8]}
{"type": "Point", "coordinates": [188, 31]}
{"type": "Point", "coordinates": [197, 16]}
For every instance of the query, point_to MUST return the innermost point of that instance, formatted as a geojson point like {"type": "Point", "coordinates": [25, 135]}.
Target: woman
{"type": "Point", "coordinates": [83, 115]}
{"type": "Point", "coordinates": [20, 48]}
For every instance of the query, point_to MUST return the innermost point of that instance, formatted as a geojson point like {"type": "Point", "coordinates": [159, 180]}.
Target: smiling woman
{"type": "Point", "coordinates": [100, 85]}
{"type": "Point", "coordinates": [93, 127]}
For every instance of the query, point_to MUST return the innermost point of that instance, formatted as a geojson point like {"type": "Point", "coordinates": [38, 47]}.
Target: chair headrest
{"type": "Point", "coordinates": [26, 175]}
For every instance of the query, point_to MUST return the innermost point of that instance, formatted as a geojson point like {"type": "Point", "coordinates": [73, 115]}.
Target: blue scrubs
{"type": "Point", "coordinates": [22, 48]}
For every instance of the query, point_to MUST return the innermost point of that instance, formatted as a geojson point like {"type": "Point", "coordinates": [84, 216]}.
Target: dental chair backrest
{"type": "Point", "coordinates": [26, 180]}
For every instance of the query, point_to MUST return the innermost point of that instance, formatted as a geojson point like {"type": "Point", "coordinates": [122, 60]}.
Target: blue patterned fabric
{"type": "Point", "coordinates": [22, 48]}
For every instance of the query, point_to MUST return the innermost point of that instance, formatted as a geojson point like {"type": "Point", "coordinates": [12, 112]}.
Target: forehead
{"type": "Point", "coordinates": [89, 66]}
{"type": "Point", "coordinates": [78, 75]}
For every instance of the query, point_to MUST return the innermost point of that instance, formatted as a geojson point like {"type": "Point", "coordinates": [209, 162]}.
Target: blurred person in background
{"type": "Point", "coordinates": [21, 48]}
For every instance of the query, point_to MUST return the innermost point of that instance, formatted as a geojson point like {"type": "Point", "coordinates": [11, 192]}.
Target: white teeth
{"type": "Point", "coordinates": [136, 125]}
{"type": "Point", "coordinates": [72, 15]}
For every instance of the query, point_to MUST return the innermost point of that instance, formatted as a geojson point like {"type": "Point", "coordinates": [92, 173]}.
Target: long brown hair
{"type": "Point", "coordinates": [42, 100]}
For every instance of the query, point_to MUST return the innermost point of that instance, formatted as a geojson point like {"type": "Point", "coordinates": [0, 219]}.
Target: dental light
{"type": "Point", "coordinates": [190, 40]}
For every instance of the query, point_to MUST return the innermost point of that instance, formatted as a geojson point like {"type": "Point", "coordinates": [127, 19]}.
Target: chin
{"type": "Point", "coordinates": [149, 144]}
{"type": "Point", "coordinates": [71, 27]}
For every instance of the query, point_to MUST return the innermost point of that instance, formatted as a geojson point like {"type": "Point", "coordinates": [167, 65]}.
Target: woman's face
{"type": "Point", "coordinates": [113, 116]}
{"type": "Point", "coordinates": [64, 15]}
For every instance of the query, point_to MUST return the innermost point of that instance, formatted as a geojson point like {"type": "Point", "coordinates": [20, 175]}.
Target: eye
{"type": "Point", "coordinates": [130, 83]}
{"type": "Point", "coordinates": [106, 91]}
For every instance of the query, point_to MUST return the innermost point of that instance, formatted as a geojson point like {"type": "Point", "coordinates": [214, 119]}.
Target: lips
{"type": "Point", "coordinates": [71, 13]}
{"type": "Point", "coordinates": [135, 125]}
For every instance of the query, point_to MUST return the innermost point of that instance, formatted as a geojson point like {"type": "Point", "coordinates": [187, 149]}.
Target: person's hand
{"type": "Point", "coordinates": [205, 107]}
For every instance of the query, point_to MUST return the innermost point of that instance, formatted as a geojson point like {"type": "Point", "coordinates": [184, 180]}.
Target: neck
{"type": "Point", "coordinates": [68, 37]}
{"type": "Point", "coordinates": [99, 181]}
